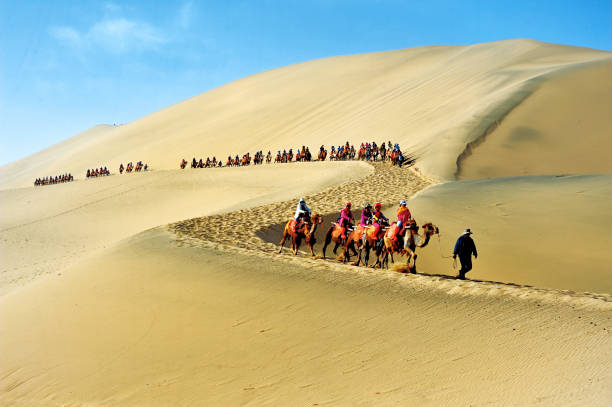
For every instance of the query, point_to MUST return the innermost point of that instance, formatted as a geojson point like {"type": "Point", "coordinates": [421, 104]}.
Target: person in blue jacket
{"type": "Point", "coordinates": [464, 248]}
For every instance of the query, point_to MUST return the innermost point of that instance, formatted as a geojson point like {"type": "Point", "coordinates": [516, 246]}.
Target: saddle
{"type": "Point", "coordinates": [292, 226]}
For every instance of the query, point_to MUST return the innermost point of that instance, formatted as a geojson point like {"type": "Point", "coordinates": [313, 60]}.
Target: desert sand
{"type": "Point", "coordinates": [166, 287]}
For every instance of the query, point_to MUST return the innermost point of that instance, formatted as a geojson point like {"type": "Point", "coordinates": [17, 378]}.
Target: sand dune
{"type": "Point", "coordinates": [545, 231]}
{"type": "Point", "coordinates": [563, 128]}
{"type": "Point", "coordinates": [45, 229]}
{"type": "Point", "coordinates": [432, 100]}
{"type": "Point", "coordinates": [151, 324]}
{"type": "Point", "coordinates": [165, 288]}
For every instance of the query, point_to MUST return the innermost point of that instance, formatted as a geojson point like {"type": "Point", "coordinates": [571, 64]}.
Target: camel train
{"type": "Point", "coordinates": [384, 241]}
{"type": "Point", "coordinates": [366, 152]}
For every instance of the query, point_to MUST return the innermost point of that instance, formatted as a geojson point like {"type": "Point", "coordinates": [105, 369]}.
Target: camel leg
{"type": "Point", "coordinates": [327, 241]}
{"type": "Point", "coordinates": [413, 268]}
{"type": "Point", "coordinates": [282, 242]}
{"type": "Point", "coordinates": [336, 247]}
{"type": "Point", "coordinates": [358, 262]}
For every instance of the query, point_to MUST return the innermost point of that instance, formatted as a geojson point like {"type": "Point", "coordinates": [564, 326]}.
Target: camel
{"type": "Point", "coordinates": [322, 155]}
{"type": "Point", "coordinates": [307, 232]}
{"type": "Point", "coordinates": [408, 244]}
{"type": "Point", "coordinates": [335, 234]}
{"type": "Point", "coordinates": [355, 238]}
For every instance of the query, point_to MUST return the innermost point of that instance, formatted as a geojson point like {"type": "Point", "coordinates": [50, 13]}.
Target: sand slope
{"type": "Point", "coordinates": [432, 100]}
{"type": "Point", "coordinates": [545, 231]}
{"type": "Point", "coordinates": [45, 229]}
{"type": "Point", "coordinates": [151, 324]}
{"type": "Point", "coordinates": [564, 127]}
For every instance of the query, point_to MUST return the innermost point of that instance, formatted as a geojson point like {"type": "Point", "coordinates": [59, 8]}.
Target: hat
{"type": "Point", "coordinates": [378, 205]}
{"type": "Point", "coordinates": [302, 200]}
{"type": "Point", "coordinates": [467, 232]}
{"type": "Point", "coordinates": [367, 205]}
{"type": "Point", "coordinates": [348, 204]}
{"type": "Point", "coordinates": [402, 202]}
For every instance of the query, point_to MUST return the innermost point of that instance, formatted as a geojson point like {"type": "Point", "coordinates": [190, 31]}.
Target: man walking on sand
{"type": "Point", "coordinates": [464, 248]}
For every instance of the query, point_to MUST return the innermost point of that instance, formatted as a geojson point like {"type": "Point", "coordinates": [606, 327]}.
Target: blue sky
{"type": "Point", "coordinates": [68, 65]}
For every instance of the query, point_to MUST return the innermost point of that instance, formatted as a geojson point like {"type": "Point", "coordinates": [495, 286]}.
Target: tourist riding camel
{"type": "Point", "coordinates": [346, 218]}
{"type": "Point", "coordinates": [302, 213]}
{"type": "Point", "coordinates": [305, 232]}
{"type": "Point", "coordinates": [403, 215]}
{"type": "Point", "coordinates": [379, 219]}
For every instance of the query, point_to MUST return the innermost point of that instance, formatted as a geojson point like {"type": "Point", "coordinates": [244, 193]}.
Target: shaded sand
{"type": "Point", "coordinates": [434, 101]}
{"type": "Point", "coordinates": [45, 229]}
{"type": "Point", "coordinates": [565, 127]}
{"type": "Point", "coordinates": [149, 323]}
{"type": "Point", "coordinates": [546, 231]}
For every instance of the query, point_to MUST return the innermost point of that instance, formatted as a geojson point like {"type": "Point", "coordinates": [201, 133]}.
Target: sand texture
{"type": "Point", "coordinates": [166, 288]}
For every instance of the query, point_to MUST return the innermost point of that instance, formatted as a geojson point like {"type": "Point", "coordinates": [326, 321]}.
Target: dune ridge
{"type": "Point", "coordinates": [432, 100]}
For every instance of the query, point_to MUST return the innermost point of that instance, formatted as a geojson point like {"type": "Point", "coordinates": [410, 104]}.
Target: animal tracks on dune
{"type": "Point", "coordinates": [238, 232]}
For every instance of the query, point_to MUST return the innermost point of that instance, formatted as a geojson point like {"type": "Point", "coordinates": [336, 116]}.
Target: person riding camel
{"type": "Point", "coordinates": [403, 216]}
{"type": "Point", "coordinates": [346, 217]}
{"type": "Point", "coordinates": [302, 213]}
{"type": "Point", "coordinates": [366, 215]}
{"type": "Point", "coordinates": [366, 219]}
{"type": "Point", "coordinates": [378, 218]}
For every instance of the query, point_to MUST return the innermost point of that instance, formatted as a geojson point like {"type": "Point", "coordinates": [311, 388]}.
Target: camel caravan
{"type": "Point", "coordinates": [131, 167]}
{"type": "Point", "coordinates": [366, 152]}
{"type": "Point", "coordinates": [374, 233]}
{"type": "Point", "coordinates": [97, 172]}
{"type": "Point", "coordinates": [58, 179]}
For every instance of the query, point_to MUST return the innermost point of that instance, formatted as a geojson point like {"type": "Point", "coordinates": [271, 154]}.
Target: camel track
{"type": "Point", "coordinates": [242, 231]}
{"type": "Point", "coordinates": [387, 184]}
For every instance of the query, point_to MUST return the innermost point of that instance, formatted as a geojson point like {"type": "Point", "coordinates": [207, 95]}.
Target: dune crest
{"type": "Point", "coordinates": [432, 100]}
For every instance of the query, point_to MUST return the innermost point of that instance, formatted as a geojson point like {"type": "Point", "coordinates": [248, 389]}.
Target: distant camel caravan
{"type": "Point", "coordinates": [131, 167]}
{"type": "Point", "coordinates": [97, 172]}
{"type": "Point", "coordinates": [58, 179]}
{"type": "Point", "coordinates": [381, 238]}
{"type": "Point", "coordinates": [366, 152]}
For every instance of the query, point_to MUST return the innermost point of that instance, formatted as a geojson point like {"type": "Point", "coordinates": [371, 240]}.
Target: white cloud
{"type": "Point", "coordinates": [125, 35]}
{"type": "Point", "coordinates": [116, 35]}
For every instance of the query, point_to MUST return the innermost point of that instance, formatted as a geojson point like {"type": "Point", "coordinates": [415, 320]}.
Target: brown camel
{"type": "Point", "coordinates": [408, 244]}
{"type": "Point", "coordinates": [334, 234]}
{"type": "Point", "coordinates": [355, 238]}
{"type": "Point", "coordinates": [306, 232]}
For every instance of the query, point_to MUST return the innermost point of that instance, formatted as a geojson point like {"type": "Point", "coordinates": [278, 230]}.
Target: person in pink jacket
{"type": "Point", "coordinates": [346, 217]}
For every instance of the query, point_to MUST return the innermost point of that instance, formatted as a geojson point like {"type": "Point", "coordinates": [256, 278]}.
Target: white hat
{"type": "Point", "coordinates": [467, 232]}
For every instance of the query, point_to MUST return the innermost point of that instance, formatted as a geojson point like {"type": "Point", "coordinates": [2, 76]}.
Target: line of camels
{"type": "Point", "coordinates": [384, 244]}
